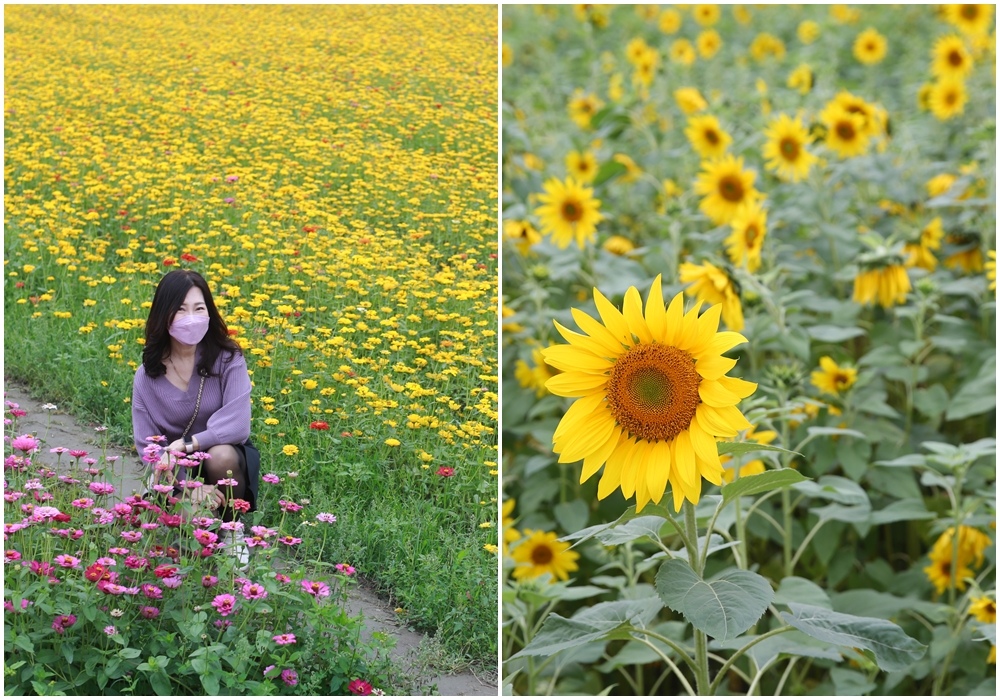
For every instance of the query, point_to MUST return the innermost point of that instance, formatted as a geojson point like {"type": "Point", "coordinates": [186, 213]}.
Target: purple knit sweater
{"type": "Point", "coordinates": [160, 408]}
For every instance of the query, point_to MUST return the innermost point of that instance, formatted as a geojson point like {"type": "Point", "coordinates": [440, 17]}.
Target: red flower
{"type": "Point", "coordinates": [446, 471]}
{"type": "Point", "coordinates": [319, 425]}
{"type": "Point", "coordinates": [240, 505]}
{"type": "Point", "coordinates": [345, 434]}
{"type": "Point", "coordinates": [164, 571]}
{"type": "Point", "coordinates": [187, 257]}
{"type": "Point", "coordinates": [359, 687]}
{"type": "Point", "coordinates": [167, 262]}
{"type": "Point", "coordinates": [96, 572]}
{"type": "Point", "coordinates": [170, 520]}
{"type": "Point", "coordinates": [310, 229]}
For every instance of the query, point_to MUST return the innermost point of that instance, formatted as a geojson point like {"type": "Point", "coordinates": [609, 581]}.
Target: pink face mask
{"type": "Point", "coordinates": [189, 329]}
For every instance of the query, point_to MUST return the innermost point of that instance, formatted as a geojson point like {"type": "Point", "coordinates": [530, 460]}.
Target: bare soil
{"type": "Point", "coordinates": [418, 658]}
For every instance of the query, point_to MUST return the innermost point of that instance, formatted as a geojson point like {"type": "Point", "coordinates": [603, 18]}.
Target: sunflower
{"type": "Point", "coordinates": [939, 572]}
{"type": "Point", "coordinates": [951, 59]}
{"type": "Point", "coordinates": [889, 284]}
{"type": "Point", "coordinates": [581, 166]}
{"type": "Point", "coordinates": [507, 54]}
{"type": "Point", "coordinates": [509, 326]}
{"type": "Point", "coordinates": [533, 376]}
{"type": "Point", "coordinates": [984, 609]}
{"type": "Point", "coordinates": [939, 184]}
{"type": "Point", "coordinates": [844, 14]}
{"type": "Point", "coordinates": [652, 396]}
{"type": "Point", "coordinates": [808, 31]}
{"type": "Point", "coordinates": [522, 233]}
{"type": "Point", "coordinates": [924, 97]}
{"type": "Point", "coordinates": [509, 533]}
{"type": "Point", "coordinates": [582, 107]}
{"type": "Point", "coordinates": [831, 378]}
{"type": "Point", "coordinates": [706, 15]}
{"type": "Point", "coordinates": [725, 187]}
{"type": "Point", "coordinates": [645, 68]}
{"type": "Point", "coordinates": [689, 100]}
{"type": "Point", "coordinates": [569, 212]}
{"type": "Point", "coordinates": [919, 253]}
{"type": "Point", "coordinates": [754, 466]}
{"type": "Point", "coordinates": [632, 171]}
{"type": "Point", "coordinates": [968, 257]}
{"type": "Point", "coordinates": [947, 98]}
{"type": "Point", "coordinates": [744, 244]}
{"type": "Point", "coordinates": [846, 134]}
{"type": "Point", "coordinates": [872, 117]}
{"type": "Point", "coordinates": [971, 545]}
{"type": "Point", "coordinates": [618, 245]}
{"type": "Point", "coordinates": [802, 79]}
{"type": "Point", "coordinates": [970, 19]}
{"type": "Point", "coordinates": [708, 139]}
{"type": "Point", "coordinates": [870, 47]}
{"type": "Point", "coordinates": [682, 52]}
{"type": "Point", "coordinates": [543, 553]}
{"type": "Point", "coordinates": [635, 50]}
{"type": "Point", "coordinates": [785, 151]}
{"type": "Point", "coordinates": [991, 269]}
{"type": "Point", "coordinates": [765, 45]}
{"type": "Point", "coordinates": [712, 285]}
{"type": "Point", "coordinates": [670, 21]}
{"type": "Point", "coordinates": [708, 42]}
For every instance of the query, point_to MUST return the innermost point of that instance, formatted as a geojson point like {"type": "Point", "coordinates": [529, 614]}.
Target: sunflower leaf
{"type": "Point", "coordinates": [590, 624]}
{"type": "Point", "coordinates": [759, 483]}
{"type": "Point", "coordinates": [722, 608]}
{"type": "Point", "coordinates": [893, 649]}
{"type": "Point", "coordinates": [738, 449]}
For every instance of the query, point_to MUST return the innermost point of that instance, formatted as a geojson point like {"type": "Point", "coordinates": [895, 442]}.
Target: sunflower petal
{"type": "Point", "coordinates": [658, 470]}
{"type": "Point", "coordinates": [712, 422]}
{"type": "Point", "coordinates": [597, 332]}
{"type": "Point", "coordinates": [632, 310]}
{"type": "Point", "coordinates": [706, 328]}
{"type": "Point", "coordinates": [575, 383]}
{"type": "Point", "coordinates": [612, 318]}
{"type": "Point", "coordinates": [723, 342]}
{"type": "Point", "coordinates": [593, 462]}
{"type": "Point", "coordinates": [711, 366]}
{"type": "Point", "coordinates": [579, 412]}
{"type": "Point", "coordinates": [683, 465]}
{"type": "Point", "coordinates": [591, 435]}
{"type": "Point", "coordinates": [714, 394]}
{"type": "Point", "coordinates": [611, 479]}
{"type": "Point", "coordinates": [656, 314]}
{"type": "Point", "coordinates": [583, 341]}
{"type": "Point", "coordinates": [704, 444]}
{"type": "Point", "coordinates": [569, 358]}
{"type": "Point", "coordinates": [738, 386]}
{"type": "Point", "coordinates": [674, 319]}
{"type": "Point", "coordinates": [634, 465]}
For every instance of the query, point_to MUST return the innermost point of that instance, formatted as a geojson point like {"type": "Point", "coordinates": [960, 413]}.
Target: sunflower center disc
{"type": "Point", "coordinates": [751, 234]}
{"type": "Point", "coordinates": [541, 555]}
{"type": "Point", "coordinates": [731, 189]}
{"type": "Point", "coordinates": [712, 137]}
{"type": "Point", "coordinates": [789, 149]}
{"type": "Point", "coordinates": [572, 211]}
{"type": "Point", "coordinates": [845, 131]}
{"type": "Point", "coordinates": [955, 58]}
{"type": "Point", "coordinates": [653, 391]}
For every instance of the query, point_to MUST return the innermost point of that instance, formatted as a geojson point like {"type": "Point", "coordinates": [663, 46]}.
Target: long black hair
{"type": "Point", "coordinates": [170, 294]}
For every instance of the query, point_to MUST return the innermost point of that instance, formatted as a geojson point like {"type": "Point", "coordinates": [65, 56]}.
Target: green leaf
{"type": "Point", "coordinates": [572, 516]}
{"type": "Point", "coordinates": [834, 488]}
{"type": "Point", "coordinates": [210, 683]}
{"type": "Point", "coordinates": [759, 483]}
{"type": "Point", "coordinates": [738, 449]}
{"type": "Point", "coordinates": [914, 460]}
{"type": "Point", "coordinates": [835, 334]}
{"type": "Point", "coordinates": [978, 396]}
{"type": "Point", "coordinates": [850, 683]}
{"type": "Point", "coordinates": [906, 509]}
{"type": "Point", "coordinates": [607, 171]}
{"type": "Point", "coordinates": [643, 526]}
{"type": "Point", "coordinates": [819, 430]}
{"type": "Point", "coordinates": [799, 590]}
{"type": "Point", "coordinates": [589, 625]}
{"type": "Point", "coordinates": [161, 684]}
{"type": "Point", "coordinates": [724, 607]}
{"type": "Point", "coordinates": [22, 641]}
{"type": "Point", "coordinates": [129, 653]}
{"type": "Point", "coordinates": [893, 649]}
{"type": "Point", "coordinates": [791, 643]}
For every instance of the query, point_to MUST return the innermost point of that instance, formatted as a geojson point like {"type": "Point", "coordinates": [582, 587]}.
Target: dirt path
{"type": "Point", "coordinates": [415, 654]}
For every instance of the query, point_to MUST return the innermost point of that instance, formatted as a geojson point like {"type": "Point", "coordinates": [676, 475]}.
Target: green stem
{"type": "Point", "coordinates": [700, 638]}
{"type": "Point", "coordinates": [732, 659]}
{"type": "Point", "coordinates": [669, 662]}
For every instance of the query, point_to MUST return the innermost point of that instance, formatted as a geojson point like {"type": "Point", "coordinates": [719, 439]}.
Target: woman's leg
{"type": "Point", "coordinates": [224, 463]}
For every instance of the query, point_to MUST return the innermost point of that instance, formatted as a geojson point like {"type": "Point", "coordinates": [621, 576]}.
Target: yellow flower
{"type": "Point", "coordinates": [509, 533]}
{"type": "Point", "coordinates": [970, 19]}
{"type": "Point", "coordinates": [919, 253]}
{"type": "Point", "coordinates": [708, 42]}
{"type": "Point", "coordinates": [645, 68]}
{"type": "Point", "coordinates": [889, 284]}
{"type": "Point", "coordinates": [969, 257]}
{"type": "Point", "coordinates": [509, 326]}
{"type": "Point", "coordinates": [392, 442]}
{"type": "Point", "coordinates": [725, 186]}
{"type": "Point", "coordinates": [618, 245]}
{"type": "Point", "coordinates": [632, 171]}
{"type": "Point", "coordinates": [635, 50]}
{"type": "Point", "coordinates": [569, 212]}
{"type": "Point", "coordinates": [507, 54]}
{"type": "Point", "coordinates": [615, 90]}
{"type": "Point", "coordinates": [802, 79]}
{"type": "Point", "coordinates": [582, 107]}
{"type": "Point", "coordinates": [533, 376]}
{"type": "Point", "coordinates": [682, 52]}
{"type": "Point", "coordinates": [870, 47]}
{"type": "Point", "coordinates": [844, 14]}
{"type": "Point", "coordinates": [984, 609]}
{"type": "Point", "coordinates": [808, 31]}
{"type": "Point", "coordinates": [522, 233]}
{"type": "Point", "coordinates": [706, 15]}
{"type": "Point", "coordinates": [670, 21]}
{"type": "Point", "coordinates": [689, 100]}
{"type": "Point", "coordinates": [950, 58]}
{"type": "Point", "coordinates": [785, 150]}
{"type": "Point", "coordinates": [947, 98]}
{"type": "Point", "coordinates": [971, 545]}
{"type": "Point", "coordinates": [309, 384]}
{"type": "Point", "coordinates": [670, 188]}
{"type": "Point", "coordinates": [991, 269]}
{"type": "Point", "coordinates": [651, 396]}
{"type": "Point", "coordinates": [742, 14]}
{"type": "Point", "coordinates": [708, 139]}
{"type": "Point", "coordinates": [846, 133]}
{"type": "Point", "coordinates": [543, 553]}
{"type": "Point", "coordinates": [746, 241]}
{"type": "Point", "coordinates": [290, 450]}
{"type": "Point", "coordinates": [491, 548]}
{"type": "Point", "coordinates": [711, 285]}
{"type": "Point", "coordinates": [939, 184]}
{"type": "Point", "coordinates": [581, 166]}
{"type": "Point", "coordinates": [765, 45]}
{"type": "Point", "coordinates": [754, 466]}
{"type": "Point", "coordinates": [832, 378]}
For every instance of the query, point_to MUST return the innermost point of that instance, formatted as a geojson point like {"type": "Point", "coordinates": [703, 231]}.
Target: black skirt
{"type": "Point", "coordinates": [249, 457]}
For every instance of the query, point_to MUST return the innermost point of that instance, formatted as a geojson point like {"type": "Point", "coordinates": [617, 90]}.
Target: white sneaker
{"type": "Point", "coordinates": [236, 548]}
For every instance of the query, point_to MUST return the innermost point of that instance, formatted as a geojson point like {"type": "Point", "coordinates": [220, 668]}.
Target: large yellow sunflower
{"type": "Point", "coordinates": [846, 134]}
{"type": "Point", "coordinates": [984, 609]}
{"type": "Point", "coordinates": [652, 396]}
{"type": "Point", "coordinates": [951, 59]}
{"type": "Point", "coordinates": [970, 19]}
{"type": "Point", "coordinates": [543, 553]}
{"type": "Point", "coordinates": [725, 186]}
{"type": "Point", "coordinates": [785, 149]}
{"type": "Point", "coordinates": [682, 52]}
{"type": "Point", "coordinates": [711, 284]}
{"type": "Point", "coordinates": [870, 47]}
{"type": "Point", "coordinates": [872, 117]}
{"type": "Point", "coordinates": [746, 241]}
{"type": "Point", "coordinates": [569, 212]}
{"type": "Point", "coordinates": [708, 139]}
{"type": "Point", "coordinates": [947, 98]}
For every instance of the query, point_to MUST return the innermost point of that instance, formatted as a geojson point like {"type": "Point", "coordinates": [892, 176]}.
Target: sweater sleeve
{"type": "Point", "coordinates": [230, 425]}
{"type": "Point", "coordinates": [142, 422]}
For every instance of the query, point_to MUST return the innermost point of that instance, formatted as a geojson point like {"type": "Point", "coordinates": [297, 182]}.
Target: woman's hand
{"type": "Point", "coordinates": [207, 495]}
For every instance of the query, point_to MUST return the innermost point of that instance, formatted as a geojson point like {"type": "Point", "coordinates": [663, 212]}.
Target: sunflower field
{"type": "Point", "coordinates": [749, 357]}
{"type": "Point", "coordinates": [331, 171]}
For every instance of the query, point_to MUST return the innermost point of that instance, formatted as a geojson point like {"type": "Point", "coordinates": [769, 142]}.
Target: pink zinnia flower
{"type": "Point", "coordinates": [67, 562]}
{"type": "Point", "coordinates": [282, 639]}
{"type": "Point", "coordinates": [270, 479]}
{"type": "Point", "coordinates": [118, 550]}
{"type": "Point", "coordinates": [280, 578]}
{"type": "Point", "coordinates": [110, 630]}
{"type": "Point", "coordinates": [62, 622]}
{"type": "Point", "coordinates": [149, 612]}
{"type": "Point", "coordinates": [83, 502]}
{"type": "Point", "coordinates": [205, 537]}
{"type": "Point", "coordinates": [290, 541]}
{"type": "Point", "coordinates": [78, 453]}
{"type": "Point", "coordinates": [224, 604]}
{"type": "Point", "coordinates": [446, 471]}
{"type": "Point", "coordinates": [326, 518]}
{"type": "Point", "coordinates": [25, 443]}
{"type": "Point", "coordinates": [316, 588]}
{"type": "Point", "coordinates": [11, 555]}
{"type": "Point", "coordinates": [209, 581]}
{"type": "Point", "coordinates": [131, 536]}
{"type": "Point", "coordinates": [151, 591]}
{"type": "Point", "coordinates": [253, 591]}
{"type": "Point", "coordinates": [290, 677]}
{"type": "Point", "coordinates": [359, 687]}
{"type": "Point", "coordinates": [227, 482]}
{"type": "Point", "coordinates": [101, 488]}
{"type": "Point", "coordinates": [289, 506]}
{"type": "Point", "coordinates": [345, 569]}
{"type": "Point", "coordinates": [172, 581]}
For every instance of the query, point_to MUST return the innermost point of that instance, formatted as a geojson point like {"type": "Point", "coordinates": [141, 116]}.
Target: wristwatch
{"type": "Point", "coordinates": [189, 447]}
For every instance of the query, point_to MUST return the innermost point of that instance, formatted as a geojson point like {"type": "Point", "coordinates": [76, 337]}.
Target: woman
{"type": "Point", "coordinates": [193, 388]}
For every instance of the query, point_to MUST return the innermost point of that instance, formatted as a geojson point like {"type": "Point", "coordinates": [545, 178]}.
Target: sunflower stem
{"type": "Point", "coordinates": [700, 639]}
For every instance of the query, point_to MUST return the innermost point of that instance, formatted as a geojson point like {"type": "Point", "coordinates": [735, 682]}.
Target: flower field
{"type": "Point", "coordinates": [749, 350]}
{"type": "Point", "coordinates": [331, 171]}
